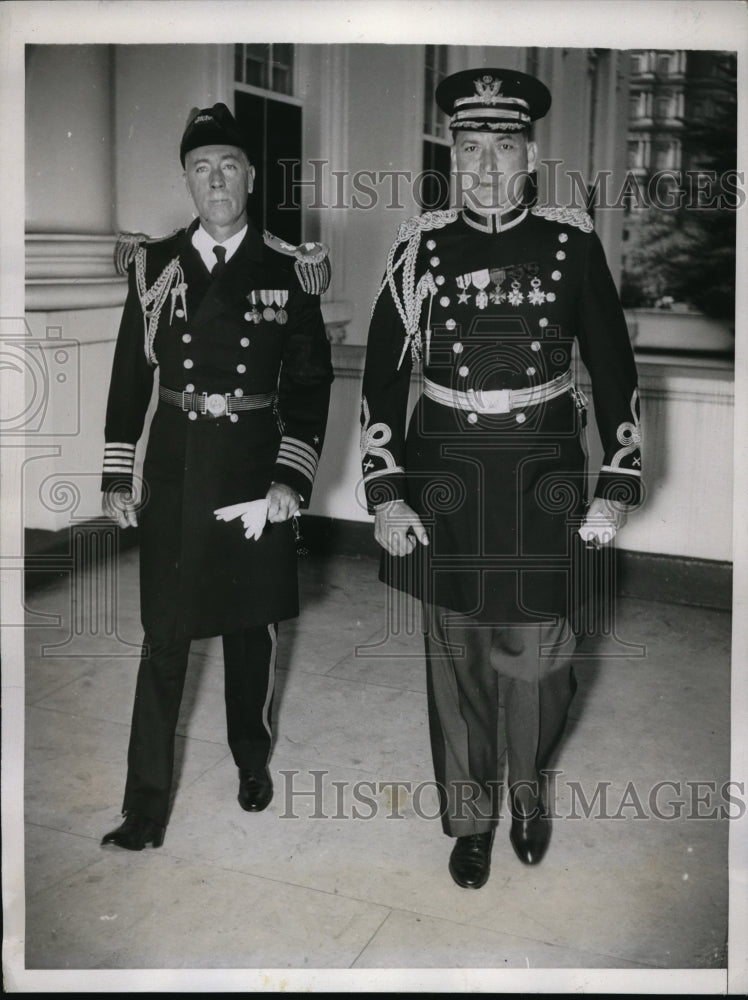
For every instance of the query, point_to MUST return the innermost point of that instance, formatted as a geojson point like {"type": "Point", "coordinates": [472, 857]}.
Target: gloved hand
{"type": "Point", "coordinates": [604, 519]}
{"type": "Point", "coordinates": [119, 506]}
{"type": "Point", "coordinates": [253, 514]}
{"type": "Point", "coordinates": [398, 528]}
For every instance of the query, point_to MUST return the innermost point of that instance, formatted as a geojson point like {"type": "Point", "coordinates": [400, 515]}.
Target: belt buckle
{"type": "Point", "coordinates": [494, 400]}
{"type": "Point", "coordinates": [215, 404]}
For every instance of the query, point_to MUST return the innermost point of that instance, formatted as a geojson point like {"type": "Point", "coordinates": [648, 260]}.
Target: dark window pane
{"type": "Point", "coordinates": [255, 65]}
{"type": "Point", "coordinates": [274, 128]}
{"type": "Point", "coordinates": [433, 191]}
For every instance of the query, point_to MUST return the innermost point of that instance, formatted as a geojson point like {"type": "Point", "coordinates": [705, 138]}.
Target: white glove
{"type": "Point", "coordinates": [253, 514]}
{"type": "Point", "coordinates": [602, 522]}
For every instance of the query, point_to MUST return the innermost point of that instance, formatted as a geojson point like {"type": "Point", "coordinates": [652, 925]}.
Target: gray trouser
{"type": "Point", "coordinates": [471, 671]}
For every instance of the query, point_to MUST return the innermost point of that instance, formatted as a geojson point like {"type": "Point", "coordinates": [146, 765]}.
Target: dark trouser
{"type": "Point", "coordinates": [471, 669]}
{"type": "Point", "coordinates": [249, 680]}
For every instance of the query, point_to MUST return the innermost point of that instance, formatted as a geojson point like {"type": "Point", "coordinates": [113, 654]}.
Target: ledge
{"type": "Point", "coordinates": [72, 271]}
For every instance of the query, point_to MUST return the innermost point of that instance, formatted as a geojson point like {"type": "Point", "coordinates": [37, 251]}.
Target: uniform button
{"type": "Point", "coordinates": [244, 341]}
{"type": "Point", "coordinates": [434, 261]}
{"type": "Point", "coordinates": [556, 275]}
{"type": "Point", "coordinates": [444, 301]}
{"type": "Point", "coordinates": [450, 324]}
{"type": "Point", "coordinates": [563, 237]}
{"type": "Point", "coordinates": [248, 316]}
{"type": "Point", "coordinates": [233, 417]}
{"type": "Point", "coordinates": [530, 370]}
{"type": "Point", "coordinates": [543, 322]}
{"type": "Point", "coordinates": [550, 296]}
{"type": "Point", "coordinates": [535, 345]}
{"type": "Point", "coordinates": [241, 369]}
{"type": "Point", "coordinates": [186, 338]}
{"type": "Point", "coordinates": [238, 392]}
{"type": "Point", "coordinates": [560, 255]}
{"type": "Point", "coordinates": [520, 418]}
{"type": "Point", "coordinates": [192, 415]}
{"type": "Point", "coordinates": [464, 370]}
{"type": "Point", "coordinates": [439, 279]}
{"type": "Point", "coordinates": [189, 388]}
{"type": "Point", "coordinates": [431, 245]}
{"type": "Point", "coordinates": [457, 348]}
{"type": "Point", "coordinates": [472, 418]}
{"type": "Point", "coordinates": [179, 313]}
{"type": "Point", "coordinates": [188, 362]}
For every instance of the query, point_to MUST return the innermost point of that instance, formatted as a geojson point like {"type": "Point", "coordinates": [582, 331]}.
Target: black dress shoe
{"type": "Point", "coordinates": [470, 860]}
{"type": "Point", "coordinates": [135, 833]}
{"type": "Point", "coordinates": [530, 833]}
{"type": "Point", "coordinates": [255, 790]}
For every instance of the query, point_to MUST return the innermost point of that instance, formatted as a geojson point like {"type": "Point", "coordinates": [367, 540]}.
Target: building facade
{"type": "Point", "coordinates": [349, 144]}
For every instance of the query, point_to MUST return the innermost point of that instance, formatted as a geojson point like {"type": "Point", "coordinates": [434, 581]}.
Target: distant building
{"type": "Point", "coordinates": [673, 94]}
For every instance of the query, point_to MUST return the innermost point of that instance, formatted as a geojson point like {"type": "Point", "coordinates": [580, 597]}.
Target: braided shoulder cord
{"type": "Point", "coordinates": [568, 216]}
{"type": "Point", "coordinates": [152, 299]}
{"type": "Point", "coordinates": [409, 306]}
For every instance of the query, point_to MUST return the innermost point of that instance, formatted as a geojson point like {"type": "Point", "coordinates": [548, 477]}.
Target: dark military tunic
{"type": "Point", "coordinates": [501, 494]}
{"type": "Point", "coordinates": [201, 576]}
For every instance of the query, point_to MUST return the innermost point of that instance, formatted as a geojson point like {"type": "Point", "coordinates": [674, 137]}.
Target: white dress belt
{"type": "Point", "coordinates": [497, 400]}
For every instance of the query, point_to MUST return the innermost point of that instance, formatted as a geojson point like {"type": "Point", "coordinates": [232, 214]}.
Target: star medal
{"type": "Point", "coordinates": [516, 298]}
{"type": "Point", "coordinates": [463, 283]}
{"type": "Point", "coordinates": [481, 280]}
{"type": "Point", "coordinates": [536, 297]}
{"type": "Point", "coordinates": [282, 297]}
{"type": "Point", "coordinates": [268, 297]}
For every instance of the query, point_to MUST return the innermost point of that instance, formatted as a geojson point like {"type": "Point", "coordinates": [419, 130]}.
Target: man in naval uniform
{"type": "Point", "coordinates": [232, 321]}
{"type": "Point", "coordinates": [477, 504]}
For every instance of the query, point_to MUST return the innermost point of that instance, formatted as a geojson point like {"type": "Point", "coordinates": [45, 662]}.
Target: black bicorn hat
{"type": "Point", "coordinates": [214, 126]}
{"type": "Point", "coordinates": [492, 100]}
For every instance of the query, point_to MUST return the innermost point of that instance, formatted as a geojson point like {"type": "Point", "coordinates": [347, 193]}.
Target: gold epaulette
{"type": "Point", "coordinates": [311, 262]}
{"type": "Point", "coordinates": [426, 222]}
{"type": "Point", "coordinates": [568, 216]}
{"type": "Point", "coordinates": [128, 244]}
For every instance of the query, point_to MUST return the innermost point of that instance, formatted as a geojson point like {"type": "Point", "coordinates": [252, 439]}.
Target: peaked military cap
{"type": "Point", "coordinates": [492, 100]}
{"type": "Point", "coordinates": [214, 126]}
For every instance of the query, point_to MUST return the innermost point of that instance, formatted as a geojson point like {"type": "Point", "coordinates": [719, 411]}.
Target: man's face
{"type": "Point", "coordinates": [491, 167]}
{"type": "Point", "coordinates": [219, 179]}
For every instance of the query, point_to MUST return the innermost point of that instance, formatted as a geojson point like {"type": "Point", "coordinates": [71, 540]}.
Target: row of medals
{"type": "Point", "coordinates": [515, 297]}
{"type": "Point", "coordinates": [269, 298]}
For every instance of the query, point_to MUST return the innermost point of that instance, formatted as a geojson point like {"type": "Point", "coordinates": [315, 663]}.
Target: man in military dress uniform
{"type": "Point", "coordinates": [231, 319]}
{"type": "Point", "coordinates": [477, 504]}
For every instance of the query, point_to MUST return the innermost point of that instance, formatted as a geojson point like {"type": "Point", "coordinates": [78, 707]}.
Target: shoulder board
{"type": "Point", "coordinates": [425, 222]}
{"type": "Point", "coordinates": [128, 244]}
{"type": "Point", "coordinates": [569, 216]}
{"type": "Point", "coordinates": [311, 262]}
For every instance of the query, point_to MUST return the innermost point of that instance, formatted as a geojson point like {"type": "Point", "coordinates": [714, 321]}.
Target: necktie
{"type": "Point", "coordinates": [220, 263]}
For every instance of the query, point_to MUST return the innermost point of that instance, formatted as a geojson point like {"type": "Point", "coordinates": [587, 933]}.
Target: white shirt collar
{"type": "Point", "coordinates": [203, 242]}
